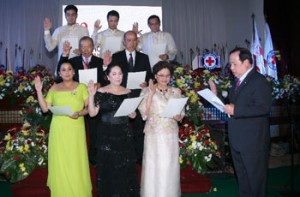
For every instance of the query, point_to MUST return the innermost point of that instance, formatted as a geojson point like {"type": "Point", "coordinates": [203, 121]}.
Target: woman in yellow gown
{"type": "Point", "coordinates": [68, 167]}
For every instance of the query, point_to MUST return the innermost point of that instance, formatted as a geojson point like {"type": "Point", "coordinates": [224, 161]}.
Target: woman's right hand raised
{"type": "Point", "coordinates": [38, 84]}
{"type": "Point", "coordinates": [92, 88]}
{"type": "Point", "coordinates": [152, 88]}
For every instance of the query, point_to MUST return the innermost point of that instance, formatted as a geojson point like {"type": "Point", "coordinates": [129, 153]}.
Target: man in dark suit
{"type": "Point", "coordinates": [133, 61]}
{"type": "Point", "coordinates": [86, 61]}
{"type": "Point", "coordinates": [248, 126]}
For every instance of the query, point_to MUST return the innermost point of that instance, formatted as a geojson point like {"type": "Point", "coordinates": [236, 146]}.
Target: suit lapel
{"type": "Point", "coordinates": [244, 83]}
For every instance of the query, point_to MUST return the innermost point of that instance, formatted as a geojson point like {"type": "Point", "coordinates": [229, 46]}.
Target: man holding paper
{"type": "Point", "coordinates": [248, 126]}
{"type": "Point", "coordinates": [86, 60]}
{"type": "Point", "coordinates": [133, 61]}
{"type": "Point", "coordinates": [157, 44]}
{"type": "Point", "coordinates": [111, 38]}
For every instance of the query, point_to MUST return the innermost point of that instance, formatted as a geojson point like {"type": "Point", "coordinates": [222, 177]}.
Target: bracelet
{"type": "Point", "coordinates": [78, 113]}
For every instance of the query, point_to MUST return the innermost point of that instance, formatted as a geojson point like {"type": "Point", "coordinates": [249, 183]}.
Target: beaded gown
{"type": "Point", "coordinates": [116, 159]}
{"type": "Point", "coordinates": [68, 166]}
{"type": "Point", "coordinates": [160, 167]}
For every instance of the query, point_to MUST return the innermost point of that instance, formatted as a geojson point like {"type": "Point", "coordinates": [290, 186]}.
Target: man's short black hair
{"type": "Point", "coordinates": [113, 13]}
{"type": "Point", "coordinates": [152, 17]}
{"type": "Point", "coordinates": [71, 7]}
{"type": "Point", "coordinates": [245, 54]}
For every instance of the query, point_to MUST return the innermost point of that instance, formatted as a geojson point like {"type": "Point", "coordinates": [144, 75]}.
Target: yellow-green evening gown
{"type": "Point", "coordinates": [68, 166]}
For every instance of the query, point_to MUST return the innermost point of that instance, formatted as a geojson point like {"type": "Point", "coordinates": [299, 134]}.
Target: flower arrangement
{"type": "Point", "coordinates": [197, 149]}
{"type": "Point", "coordinates": [23, 149]}
{"type": "Point", "coordinates": [6, 84]}
{"type": "Point", "coordinates": [21, 86]}
{"type": "Point", "coordinates": [286, 89]}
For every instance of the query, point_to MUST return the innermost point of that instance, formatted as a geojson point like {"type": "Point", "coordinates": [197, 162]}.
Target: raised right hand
{"type": "Point", "coordinates": [97, 25]}
{"type": "Point", "coordinates": [47, 24]}
{"type": "Point", "coordinates": [38, 84]}
{"type": "Point", "coordinates": [66, 48]}
{"type": "Point", "coordinates": [92, 88]}
{"type": "Point", "coordinates": [152, 88]}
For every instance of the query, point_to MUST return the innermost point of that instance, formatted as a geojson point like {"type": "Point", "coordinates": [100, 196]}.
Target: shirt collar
{"type": "Point", "coordinates": [133, 54]}
{"type": "Point", "coordinates": [89, 58]}
{"type": "Point", "coordinates": [244, 75]}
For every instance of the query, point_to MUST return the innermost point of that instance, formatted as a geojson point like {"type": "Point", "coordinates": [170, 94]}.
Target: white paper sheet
{"type": "Point", "coordinates": [85, 75]}
{"type": "Point", "coordinates": [112, 44]}
{"type": "Point", "coordinates": [128, 106]}
{"type": "Point", "coordinates": [212, 98]}
{"type": "Point", "coordinates": [157, 50]}
{"type": "Point", "coordinates": [61, 110]}
{"type": "Point", "coordinates": [195, 63]}
{"type": "Point", "coordinates": [135, 79]}
{"type": "Point", "coordinates": [174, 107]}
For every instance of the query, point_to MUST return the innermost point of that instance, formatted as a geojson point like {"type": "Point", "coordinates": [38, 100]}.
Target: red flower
{"type": "Point", "coordinates": [7, 174]}
{"type": "Point", "coordinates": [30, 110]}
{"type": "Point", "coordinates": [188, 163]}
{"type": "Point", "coordinates": [13, 137]}
{"type": "Point", "coordinates": [206, 142]}
{"type": "Point", "coordinates": [199, 136]}
{"type": "Point", "coordinates": [16, 158]}
{"type": "Point", "coordinates": [181, 145]}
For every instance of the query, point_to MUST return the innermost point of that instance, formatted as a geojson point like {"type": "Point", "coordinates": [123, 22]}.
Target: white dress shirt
{"type": "Point", "coordinates": [109, 39]}
{"type": "Point", "coordinates": [155, 44]}
{"type": "Point", "coordinates": [71, 33]}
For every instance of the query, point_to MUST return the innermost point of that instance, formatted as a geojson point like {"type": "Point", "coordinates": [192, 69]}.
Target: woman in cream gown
{"type": "Point", "coordinates": [160, 168]}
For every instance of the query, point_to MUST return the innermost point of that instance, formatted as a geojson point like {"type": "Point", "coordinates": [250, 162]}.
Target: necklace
{"type": "Point", "coordinates": [163, 91]}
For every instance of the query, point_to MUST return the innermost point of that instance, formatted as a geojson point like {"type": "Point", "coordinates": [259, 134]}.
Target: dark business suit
{"type": "Point", "coordinates": [249, 134]}
{"type": "Point", "coordinates": [141, 63]}
{"type": "Point", "coordinates": [77, 63]}
{"type": "Point", "coordinates": [95, 62]}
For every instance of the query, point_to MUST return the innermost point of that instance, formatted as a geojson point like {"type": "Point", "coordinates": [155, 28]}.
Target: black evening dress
{"type": "Point", "coordinates": [116, 158]}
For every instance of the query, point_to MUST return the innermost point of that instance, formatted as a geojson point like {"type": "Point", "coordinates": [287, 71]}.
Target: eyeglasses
{"type": "Point", "coordinates": [164, 76]}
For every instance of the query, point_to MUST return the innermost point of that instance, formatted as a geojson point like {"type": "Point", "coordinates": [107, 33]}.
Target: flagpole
{"type": "Point", "coordinates": [253, 28]}
{"type": "Point", "coordinates": [6, 66]}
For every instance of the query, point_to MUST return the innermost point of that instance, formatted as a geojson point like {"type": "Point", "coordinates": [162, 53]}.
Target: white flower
{"type": "Point", "coordinates": [40, 161]}
{"type": "Point", "coordinates": [224, 93]}
{"type": "Point", "coordinates": [208, 158]}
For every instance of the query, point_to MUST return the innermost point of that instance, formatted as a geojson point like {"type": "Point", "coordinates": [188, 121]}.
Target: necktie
{"type": "Point", "coordinates": [86, 63]}
{"type": "Point", "coordinates": [237, 84]}
{"type": "Point", "coordinates": [130, 63]}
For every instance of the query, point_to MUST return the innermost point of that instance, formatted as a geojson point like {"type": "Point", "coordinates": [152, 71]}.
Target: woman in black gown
{"type": "Point", "coordinates": [116, 160]}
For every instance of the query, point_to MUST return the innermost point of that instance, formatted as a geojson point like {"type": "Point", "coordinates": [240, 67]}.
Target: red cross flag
{"type": "Point", "coordinates": [210, 61]}
{"type": "Point", "coordinates": [256, 51]}
{"type": "Point", "coordinates": [269, 55]}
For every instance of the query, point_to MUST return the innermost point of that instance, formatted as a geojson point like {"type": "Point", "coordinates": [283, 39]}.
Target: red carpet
{"type": "Point", "coordinates": [35, 184]}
